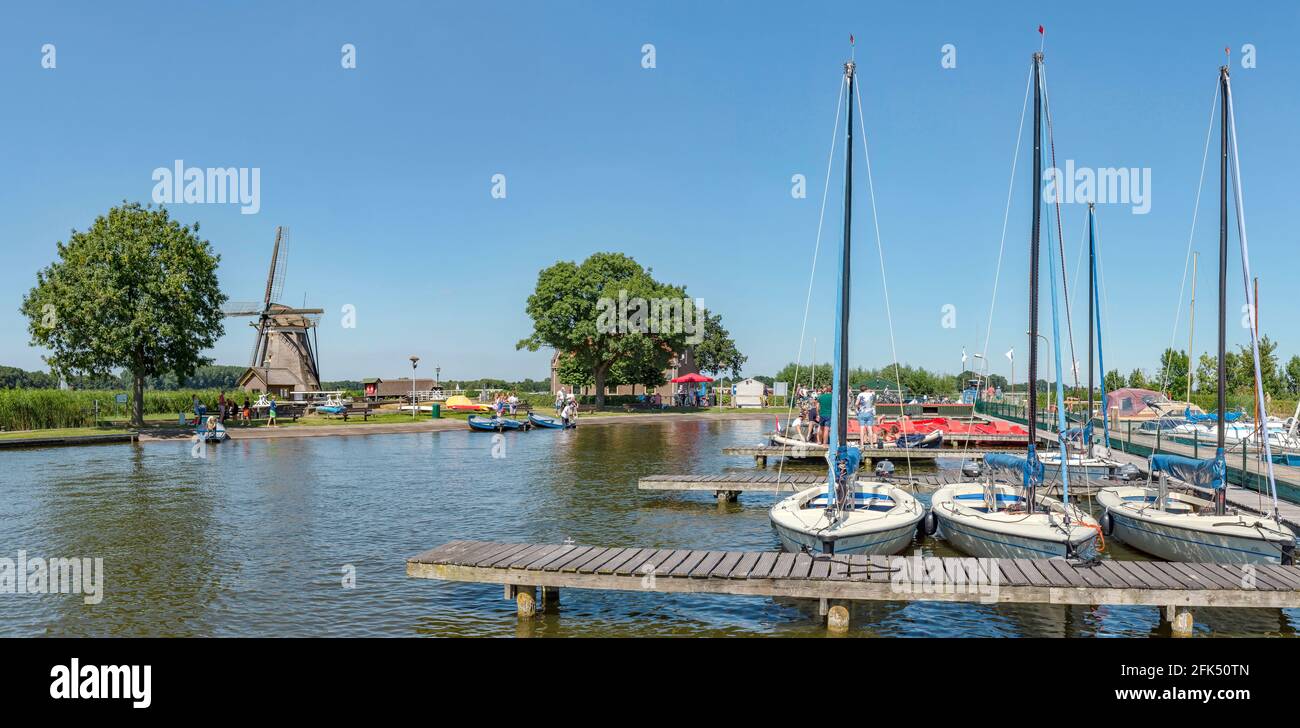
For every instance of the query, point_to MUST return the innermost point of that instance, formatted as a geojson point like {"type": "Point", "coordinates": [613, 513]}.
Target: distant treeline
{"type": "Point", "coordinates": [207, 377]}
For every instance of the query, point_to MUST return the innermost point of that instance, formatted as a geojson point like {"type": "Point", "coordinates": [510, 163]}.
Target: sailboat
{"type": "Point", "coordinates": [846, 515]}
{"type": "Point", "coordinates": [1093, 463]}
{"type": "Point", "coordinates": [999, 520]}
{"type": "Point", "coordinates": [1182, 526]}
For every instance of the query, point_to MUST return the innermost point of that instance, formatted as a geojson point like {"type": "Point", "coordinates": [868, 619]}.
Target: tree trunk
{"type": "Point", "coordinates": [600, 373]}
{"type": "Point", "coordinates": [137, 400]}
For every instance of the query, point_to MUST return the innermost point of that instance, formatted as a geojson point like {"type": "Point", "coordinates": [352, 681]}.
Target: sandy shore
{"type": "Point", "coordinates": [431, 425]}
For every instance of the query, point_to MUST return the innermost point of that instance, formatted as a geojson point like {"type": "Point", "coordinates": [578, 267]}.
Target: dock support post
{"type": "Point", "coordinates": [726, 496]}
{"type": "Point", "coordinates": [837, 619]}
{"type": "Point", "coordinates": [760, 461]}
{"type": "Point", "coordinates": [550, 599]}
{"type": "Point", "coordinates": [1180, 620]}
{"type": "Point", "coordinates": [526, 601]}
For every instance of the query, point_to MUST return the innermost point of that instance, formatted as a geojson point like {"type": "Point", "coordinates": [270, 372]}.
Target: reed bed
{"type": "Point", "coordinates": [41, 409]}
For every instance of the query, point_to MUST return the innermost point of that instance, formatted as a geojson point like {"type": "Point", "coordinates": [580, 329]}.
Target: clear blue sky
{"type": "Point", "coordinates": [383, 172]}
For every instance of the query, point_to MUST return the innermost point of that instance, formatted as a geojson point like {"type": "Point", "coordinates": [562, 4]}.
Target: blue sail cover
{"type": "Point", "coordinates": [1204, 473]}
{"type": "Point", "coordinates": [1030, 473]}
{"type": "Point", "coordinates": [1212, 417]}
{"type": "Point", "coordinates": [1079, 434]}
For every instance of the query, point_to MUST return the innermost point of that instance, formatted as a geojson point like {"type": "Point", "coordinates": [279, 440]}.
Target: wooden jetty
{"type": "Point", "coordinates": [1176, 588]}
{"type": "Point", "coordinates": [70, 440]}
{"type": "Point", "coordinates": [761, 453]}
{"type": "Point", "coordinates": [728, 486]}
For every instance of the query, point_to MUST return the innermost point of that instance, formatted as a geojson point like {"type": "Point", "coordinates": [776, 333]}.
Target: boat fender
{"type": "Point", "coordinates": [929, 524]}
{"type": "Point", "coordinates": [1107, 523]}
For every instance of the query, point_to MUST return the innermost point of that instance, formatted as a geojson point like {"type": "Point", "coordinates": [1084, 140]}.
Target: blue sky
{"type": "Point", "coordinates": [383, 173]}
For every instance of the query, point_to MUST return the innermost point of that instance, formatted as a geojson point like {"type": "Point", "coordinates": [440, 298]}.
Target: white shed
{"type": "Point", "coordinates": [748, 393]}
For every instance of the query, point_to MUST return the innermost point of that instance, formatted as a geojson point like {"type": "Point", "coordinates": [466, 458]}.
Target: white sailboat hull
{"type": "Point", "coordinates": [1042, 535]}
{"type": "Point", "coordinates": [1185, 535]}
{"type": "Point", "coordinates": [861, 531]}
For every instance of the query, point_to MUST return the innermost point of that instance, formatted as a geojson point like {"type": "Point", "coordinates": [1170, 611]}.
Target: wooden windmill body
{"type": "Point", "coordinates": [284, 352]}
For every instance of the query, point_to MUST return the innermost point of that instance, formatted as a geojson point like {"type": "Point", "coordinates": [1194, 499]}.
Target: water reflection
{"type": "Point", "coordinates": [256, 538]}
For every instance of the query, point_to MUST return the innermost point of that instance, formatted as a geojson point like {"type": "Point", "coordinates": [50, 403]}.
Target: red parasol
{"type": "Point", "coordinates": [692, 379]}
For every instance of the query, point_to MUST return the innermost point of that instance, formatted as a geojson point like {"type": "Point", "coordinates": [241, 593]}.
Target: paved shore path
{"type": "Point", "coordinates": [432, 425]}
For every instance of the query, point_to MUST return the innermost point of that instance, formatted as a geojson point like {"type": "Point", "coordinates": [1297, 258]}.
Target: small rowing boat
{"type": "Point", "coordinates": [550, 423]}
{"type": "Point", "coordinates": [496, 424]}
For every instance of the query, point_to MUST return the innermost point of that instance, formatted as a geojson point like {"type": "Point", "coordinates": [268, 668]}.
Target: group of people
{"type": "Point", "coordinates": [690, 397]}
{"type": "Point", "coordinates": [814, 420]}
{"type": "Point", "coordinates": [504, 404]}
{"type": "Point", "coordinates": [229, 409]}
{"type": "Point", "coordinates": [566, 406]}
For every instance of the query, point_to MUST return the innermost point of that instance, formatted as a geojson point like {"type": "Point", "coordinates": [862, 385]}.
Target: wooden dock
{"type": "Point", "coordinates": [761, 453]}
{"type": "Point", "coordinates": [1175, 587]}
{"type": "Point", "coordinates": [728, 486]}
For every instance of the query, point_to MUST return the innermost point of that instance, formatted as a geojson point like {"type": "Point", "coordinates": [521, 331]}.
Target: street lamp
{"type": "Point", "coordinates": [414, 360]}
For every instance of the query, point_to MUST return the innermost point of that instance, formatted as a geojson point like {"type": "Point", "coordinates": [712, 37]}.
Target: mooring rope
{"type": "Point", "coordinates": [1002, 240]}
{"type": "Point", "coordinates": [884, 284]}
{"type": "Point", "coordinates": [803, 329]}
{"type": "Point", "coordinates": [1191, 235]}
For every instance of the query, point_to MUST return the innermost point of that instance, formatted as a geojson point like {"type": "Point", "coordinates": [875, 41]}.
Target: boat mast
{"type": "Point", "coordinates": [1092, 262]}
{"type": "Point", "coordinates": [836, 451]}
{"type": "Point", "coordinates": [1037, 166]}
{"type": "Point", "coordinates": [841, 385]}
{"type": "Point", "coordinates": [1220, 504]}
{"type": "Point", "coordinates": [1191, 330]}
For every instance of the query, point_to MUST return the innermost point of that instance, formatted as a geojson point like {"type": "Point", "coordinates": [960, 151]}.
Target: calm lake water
{"type": "Point", "coordinates": [254, 539]}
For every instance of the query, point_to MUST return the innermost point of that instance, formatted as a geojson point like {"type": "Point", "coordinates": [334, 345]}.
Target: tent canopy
{"type": "Point", "coordinates": [692, 379]}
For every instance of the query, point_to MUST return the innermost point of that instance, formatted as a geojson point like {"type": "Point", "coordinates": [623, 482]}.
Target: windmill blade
{"type": "Point", "coordinates": [281, 262]}
{"type": "Point", "coordinates": [241, 308]}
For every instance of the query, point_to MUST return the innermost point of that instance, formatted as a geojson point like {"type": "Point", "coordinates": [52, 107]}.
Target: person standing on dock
{"type": "Point", "coordinates": [824, 415]}
{"type": "Point", "coordinates": [866, 409]}
{"type": "Point", "coordinates": [270, 419]}
{"type": "Point", "coordinates": [559, 401]}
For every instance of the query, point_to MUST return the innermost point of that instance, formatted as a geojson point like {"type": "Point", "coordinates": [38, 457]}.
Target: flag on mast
{"type": "Point", "coordinates": [1011, 354]}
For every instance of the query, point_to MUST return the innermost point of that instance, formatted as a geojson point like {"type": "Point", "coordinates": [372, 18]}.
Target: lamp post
{"type": "Point", "coordinates": [414, 360]}
{"type": "Point", "coordinates": [437, 376]}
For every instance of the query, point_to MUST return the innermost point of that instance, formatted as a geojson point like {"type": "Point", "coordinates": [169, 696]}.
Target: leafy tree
{"type": "Point", "coordinates": [801, 375]}
{"type": "Point", "coordinates": [1138, 379]}
{"type": "Point", "coordinates": [716, 352]}
{"type": "Point", "coordinates": [1114, 380]}
{"type": "Point", "coordinates": [1207, 374]}
{"type": "Point", "coordinates": [1174, 370]}
{"type": "Point", "coordinates": [1291, 375]}
{"type": "Point", "coordinates": [571, 307]}
{"type": "Point", "coordinates": [137, 291]}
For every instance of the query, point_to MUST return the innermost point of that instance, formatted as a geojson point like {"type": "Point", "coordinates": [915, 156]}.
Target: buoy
{"type": "Point", "coordinates": [930, 524]}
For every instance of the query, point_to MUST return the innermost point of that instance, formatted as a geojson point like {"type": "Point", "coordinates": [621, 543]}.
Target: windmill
{"type": "Point", "coordinates": [284, 354]}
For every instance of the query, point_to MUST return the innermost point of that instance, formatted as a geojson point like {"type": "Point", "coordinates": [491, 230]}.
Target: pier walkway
{"type": "Point", "coordinates": [1175, 587]}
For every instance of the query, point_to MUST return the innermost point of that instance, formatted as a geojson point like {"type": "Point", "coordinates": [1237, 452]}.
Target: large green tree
{"type": "Point", "coordinates": [716, 351]}
{"type": "Point", "coordinates": [588, 312]}
{"type": "Point", "coordinates": [136, 291]}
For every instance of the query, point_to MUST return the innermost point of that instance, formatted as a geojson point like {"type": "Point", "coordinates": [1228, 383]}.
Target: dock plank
{"type": "Point", "coordinates": [853, 577]}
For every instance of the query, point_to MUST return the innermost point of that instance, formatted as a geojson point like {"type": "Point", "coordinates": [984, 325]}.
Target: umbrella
{"type": "Point", "coordinates": [692, 378]}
